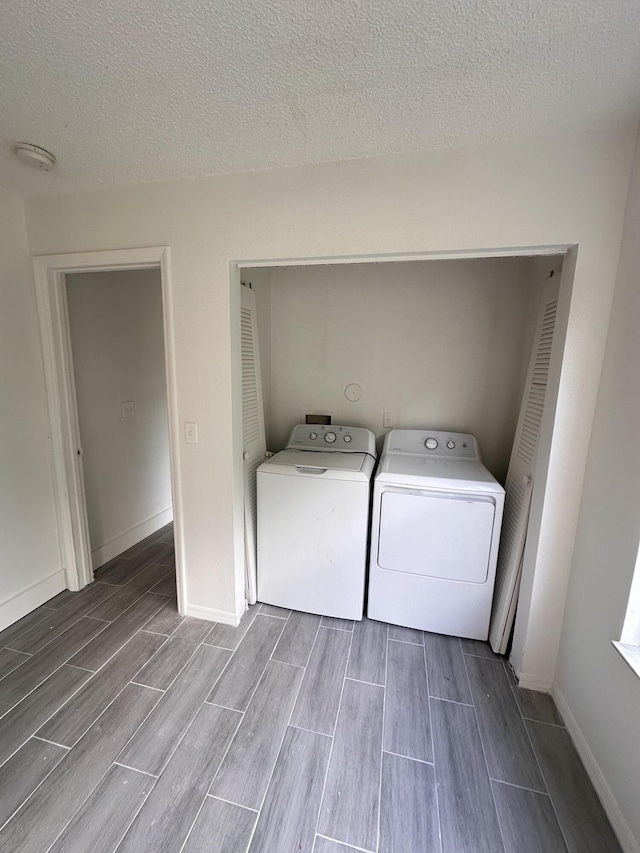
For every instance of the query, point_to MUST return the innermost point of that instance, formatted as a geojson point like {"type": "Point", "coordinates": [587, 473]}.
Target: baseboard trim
{"type": "Point", "coordinates": [33, 596]}
{"type": "Point", "coordinates": [532, 682]}
{"type": "Point", "coordinates": [628, 841]}
{"type": "Point", "coordinates": [226, 617]}
{"type": "Point", "coordinates": [110, 549]}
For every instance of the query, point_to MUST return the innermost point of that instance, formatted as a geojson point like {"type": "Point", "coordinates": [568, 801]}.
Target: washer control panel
{"type": "Point", "coordinates": [336, 438]}
{"type": "Point", "coordinates": [432, 443]}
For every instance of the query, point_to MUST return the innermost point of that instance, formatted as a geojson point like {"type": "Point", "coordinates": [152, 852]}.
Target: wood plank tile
{"type": "Point", "coordinates": [25, 718]}
{"type": "Point", "coordinates": [167, 816]}
{"type": "Point", "coordinates": [468, 820]}
{"type": "Point", "coordinates": [584, 824]}
{"type": "Point", "coordinates": [166, 620]}
{"type": "Point", "coordinates": [142, 545]}
{"type": "Point", "coordinates": [61, 599]}
{"type": "Point", "coordinates": [96, 653]}
{"type": "Point", "coordinates": [246, 770]}
{"type": "Point", "coordinates": [165, 665]}
{"type": "Point", "coordinates": [406, 635]}
{"type": "Point", "coordinates": [228, 637]}
{"type": "Point", "coordinates": [48, 810]}
{"type": "Point", "coordinates": [67, 726]}
{"type": "Point", "coordinates": [407, 724]}
{"type": "Point", "coordinates": [289, 815]}
{"type": "Point", "coordinates": [57, 622]}
{"type": "Point", "coordinates": [10, 660]}
{"type": "Point", "coordinates": [446, 670]}
{"type": "Point", "coordinates": [22, 626]}
{"type": "Point", "coordinates": [338, 624]}
{"type": "Point", "coordinates": [537, 706]}
{"type": "Point", "coordinates": [153, 551]}
{"type": "Point", "coordinates": [130, 592]}
{"type": "Point", "coordinates": [272, 610]}
{"type": "Point", "coordinates": [24, 771]}
{"type": "Point", "coordinates": [117, 571]}
{"type": "Point", "coordinates": [527, 820]}
{"type": "Point", "coordinates": [350, 805]}
{"type": "Point", "coordinates": [167, 556]}
{"type": "Point", "coordinates": [506, 744]}
{"type": "Point", "coordinates": [105, 817]}
{"type": "Point", "coordinates": [167, 586]}
{"type": "Point", "coordinates": [479, 648]}
{"type": "Point", "coordinates": [297, 639]}
{"type": "Point", "coordinates": [238, 682]}
{"type": "Point", "coordinates": [319, 697]}
{"type": "Point", "coordinates": [368, 656]}
{"type": "Point", "coordinates": [40, 666]}
{"type": "Point", "coordinates": [221, 828]}
{"type": "Point", "coordinates": [193, 630]}
{"type": "Point", "coordinates": [156, 740]}
{"type": "Point", "coordinates": [408, 807]}
{"type": "Point", "coordinates": [326, 845]}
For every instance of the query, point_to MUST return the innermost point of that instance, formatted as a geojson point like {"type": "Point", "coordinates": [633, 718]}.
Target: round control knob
{"type": "Point", "coordinates": [451, 444]}
{"type": "Point", "coordinates": [330, 437]}
{"type": "Point", "coordinates": [313, 436]}
{"type": "Point", "coordinates": [431, 443]}
{"type": "Point", "coordinates": [347, 438]}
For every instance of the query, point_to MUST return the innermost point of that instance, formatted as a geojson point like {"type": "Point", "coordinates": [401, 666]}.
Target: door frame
{"type": "Point", "coordinates": [69, 496]}
{"type": "Point", "coordinates": [531, 619]}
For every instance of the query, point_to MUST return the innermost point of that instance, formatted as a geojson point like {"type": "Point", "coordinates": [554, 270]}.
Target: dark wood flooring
{"type": "Point", "coordinates": [127, 727]}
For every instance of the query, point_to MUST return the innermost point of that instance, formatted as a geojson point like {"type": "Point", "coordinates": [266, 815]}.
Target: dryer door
{"type": "Point", "coordinates": [436, 534]}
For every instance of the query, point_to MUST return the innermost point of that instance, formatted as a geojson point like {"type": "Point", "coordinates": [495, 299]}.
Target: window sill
{"type": "Point", "coordinates": [630, 653]}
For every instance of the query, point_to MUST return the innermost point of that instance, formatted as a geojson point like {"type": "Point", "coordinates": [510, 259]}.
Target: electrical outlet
{"type": "Point", "coordinates": [128, 409]}
{"type": "Point", "coordinates": [387, 420]}
{"type": "Point", "coordinates": [191, 433]}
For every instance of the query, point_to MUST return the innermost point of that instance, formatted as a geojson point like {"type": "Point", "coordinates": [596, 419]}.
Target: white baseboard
{"type": "Point", "coordinates": [33, 596]}
{"type": "Point", "coordinates": [110, 549]}
{"type": "Point", "coordinates": [533, 682]}
{"type": "Point", "coordinates": [226, 617]}
{"type": "Point", "coordinates": [628, 841]}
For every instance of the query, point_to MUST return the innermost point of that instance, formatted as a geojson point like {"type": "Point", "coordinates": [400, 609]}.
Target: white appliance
{"type": "Point", "coordinates": [435, 531]}
{"type": "Point", "coordinates": [313, 521]}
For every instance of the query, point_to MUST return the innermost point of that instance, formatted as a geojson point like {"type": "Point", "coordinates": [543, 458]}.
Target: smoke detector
{"type": "Point", "coordinates": [33, 155]}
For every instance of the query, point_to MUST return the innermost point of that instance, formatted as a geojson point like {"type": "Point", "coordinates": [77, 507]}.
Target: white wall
{"type": "Point", "coordinates": [566, 189]}
{"type": "Point", "coordinates": [117, 341]}
{"type": "Point", "coordinates": [30, 569]}
{"type": "Point", "coordinates": [438, 343]}
{"type": "Point", "coordinates": [599, 688]}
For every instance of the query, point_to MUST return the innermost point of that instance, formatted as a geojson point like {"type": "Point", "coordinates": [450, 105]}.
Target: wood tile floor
{"type": "Point", "coordinates": [126, 727]}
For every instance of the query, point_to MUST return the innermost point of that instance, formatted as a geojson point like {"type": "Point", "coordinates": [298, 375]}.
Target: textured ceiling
{"type": "Point", "coordinates": [126, 91]}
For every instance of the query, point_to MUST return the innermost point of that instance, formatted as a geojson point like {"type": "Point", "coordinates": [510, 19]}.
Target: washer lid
{"type": "Point", "coordinates": [338, 466]}
{"type": "Point", "coordinates": [440, 473]}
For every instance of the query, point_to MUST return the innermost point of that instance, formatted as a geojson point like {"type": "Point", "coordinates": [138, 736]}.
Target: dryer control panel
{"type": "Point", "coordinates": [342, 439]}
{"type": "Point", "coordinates": [458, 445]}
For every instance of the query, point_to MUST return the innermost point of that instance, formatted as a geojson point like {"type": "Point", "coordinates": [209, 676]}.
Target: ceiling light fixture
{"type": "Point", "coordinates": [33, 155]}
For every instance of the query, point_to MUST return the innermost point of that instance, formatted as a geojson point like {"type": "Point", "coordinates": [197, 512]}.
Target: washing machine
{"type": "Point", "coordinates": [313, 521]}
{"type": "Point", "coordinates": [435, 530]}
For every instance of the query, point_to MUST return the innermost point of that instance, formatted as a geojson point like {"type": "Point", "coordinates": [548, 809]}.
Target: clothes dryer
{"type": "Point", "coordinates": [436, 518]}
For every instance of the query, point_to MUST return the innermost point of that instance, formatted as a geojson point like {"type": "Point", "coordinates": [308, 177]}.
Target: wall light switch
{"type": "Point", "coordinates": [128, 409]}
{"type": "Point", "coordinates": [387, 420]}
{"type": "Point", "coordinates": [191, 433]}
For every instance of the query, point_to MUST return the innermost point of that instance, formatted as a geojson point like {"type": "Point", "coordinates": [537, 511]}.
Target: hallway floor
{"type": "Point", "coordinates": [127, 727]}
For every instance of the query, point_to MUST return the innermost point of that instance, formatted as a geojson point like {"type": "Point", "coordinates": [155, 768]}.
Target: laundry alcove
{"type": "Point", "coordinates": [441, 343]}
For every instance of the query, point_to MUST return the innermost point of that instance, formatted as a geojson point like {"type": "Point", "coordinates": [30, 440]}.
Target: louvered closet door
{"type": "Point", "coordinates": [521, 474]}
{"type": "Point", "coordinates": [253, 438]}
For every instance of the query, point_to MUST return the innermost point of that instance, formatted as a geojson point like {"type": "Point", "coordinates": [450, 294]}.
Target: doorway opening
{"type": "Point", "coordinates": [118, 361]}
{"type": "Point", "coordinates": [71, 288]}
{"type": "Point", "coordinates": [292, 276]}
